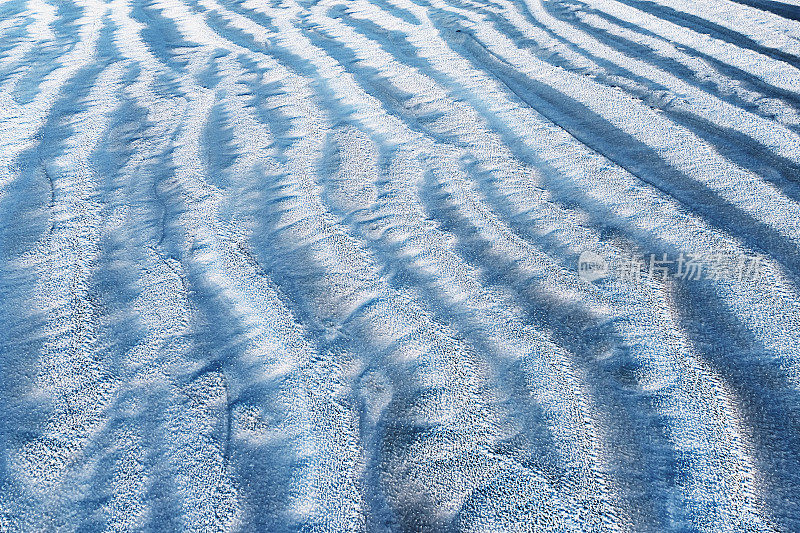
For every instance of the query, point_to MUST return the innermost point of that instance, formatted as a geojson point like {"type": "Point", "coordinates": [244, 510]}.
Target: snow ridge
{"type": "Point", "coordinates": [298, 265]}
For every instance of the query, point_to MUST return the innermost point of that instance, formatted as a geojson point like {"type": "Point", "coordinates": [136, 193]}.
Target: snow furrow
{"type": "Point", "coordinates": [291, 265]}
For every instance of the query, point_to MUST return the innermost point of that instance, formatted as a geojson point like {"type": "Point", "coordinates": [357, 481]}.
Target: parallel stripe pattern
{"type": "Point", "coordinates": [312, 265]}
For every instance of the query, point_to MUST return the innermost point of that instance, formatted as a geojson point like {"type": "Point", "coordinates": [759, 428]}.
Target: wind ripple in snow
{"type": "Point", "coordinates": [313, 265]}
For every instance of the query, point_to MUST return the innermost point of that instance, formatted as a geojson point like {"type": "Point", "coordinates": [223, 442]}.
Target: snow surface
{"type": "Point", "coordinates": [297, 265]}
